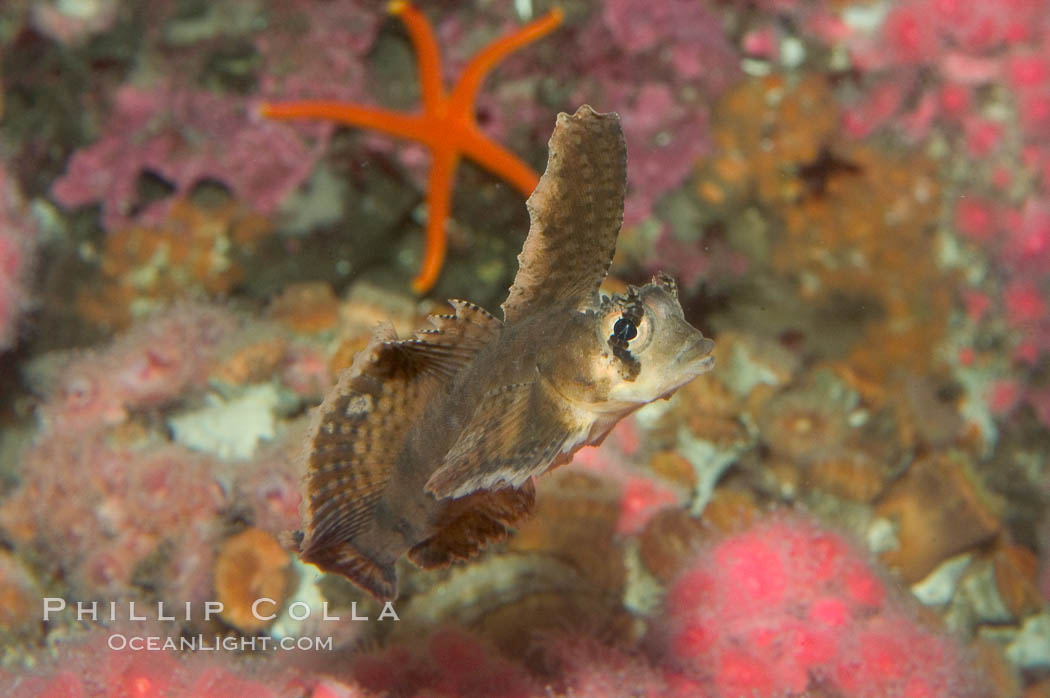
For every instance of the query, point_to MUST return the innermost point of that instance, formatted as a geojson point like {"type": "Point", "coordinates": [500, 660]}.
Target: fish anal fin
{"type": "Point", "coordinates": [516, 432]}
{"type": "Point", "coordinates": [460, 540]}
{"type": "Point", "coordinates": [474, 522]}
{"type": "Point", "coordinates": [344, 559]}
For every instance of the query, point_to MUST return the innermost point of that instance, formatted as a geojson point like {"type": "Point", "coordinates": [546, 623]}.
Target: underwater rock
{"type": "Point", "coordinates": [1016, 577]}
{"type": "Point", "coordinates": [668, 541]}
{"type": "Point", "coordinates": [1031, 648]}
{"type": "Point", "coordinates": [255, 362]}
{"type": "Point", "coordinates": [938, 587]}
{"type": "Point", "coordinates": [19, 603]}
{"type": "Point", "coordinates": [940, 510]}
{"type": "Point", "coordinates": [848, 473]}
{"type": "Point", "coordinates": [230, 429]}
{"type": "Point", "coordinates": [306, 307]}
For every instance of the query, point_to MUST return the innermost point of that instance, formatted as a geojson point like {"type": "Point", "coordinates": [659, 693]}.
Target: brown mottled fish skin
{"type": "Point", "coordinates": [427, 446]}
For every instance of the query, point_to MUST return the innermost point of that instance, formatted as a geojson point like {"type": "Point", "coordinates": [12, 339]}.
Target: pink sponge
{"type": "Point", "coordinates": [785, 605]}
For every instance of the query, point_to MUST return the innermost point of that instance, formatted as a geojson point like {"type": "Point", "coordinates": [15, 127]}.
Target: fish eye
{"type": "Point", "coordinates": [625, 329]}
{"type": "Point", "coordinates": [628, 329]}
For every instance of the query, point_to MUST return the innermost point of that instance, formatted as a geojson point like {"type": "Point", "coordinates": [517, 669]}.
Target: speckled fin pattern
{"type": "Point", "coordinates": [359, 430]}
{"type": "Point", "coordinates": [576, 212]}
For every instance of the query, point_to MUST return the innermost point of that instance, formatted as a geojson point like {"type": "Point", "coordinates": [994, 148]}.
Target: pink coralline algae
{"type": "Point", "coordinates": [269, 486]}
{"type": "Point", "coordinates": [589, 669]}
{"type": "Point", "coordinates": [1026, 293]}
{"type": "Point", "coordinates": [977, 75]}
{"type": "Point", "coordinates": [690, 33]}
{"type": "Point", "coordinates": [693, 263]}
{"type": "Point", "coordinates": [340, 34]}
{"type": "Point", "coordinates": [88, 667]}
{"type": "Point", "coordinates": [924, 62]}
{"type": "Point", "coordinates": [18, 238]}
{"type": "Point", "coordinates": [184, 136]}
{"type": "Point", "coordinates": [98, 511]}
{"type": "Point", "coordinates": [147, 366]}
{"type": "Point", "coordinates": [1017, 241]}
{"type": "Point", "coordinates": [787, 605]}
{"type": "Point", "coordinates": [98, 504]}
{"type": "Point", "coordinates": [681, 49]}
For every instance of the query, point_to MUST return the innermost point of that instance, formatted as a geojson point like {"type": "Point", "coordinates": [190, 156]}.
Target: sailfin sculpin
{"type": "Point", "coordinates": [427, 446]}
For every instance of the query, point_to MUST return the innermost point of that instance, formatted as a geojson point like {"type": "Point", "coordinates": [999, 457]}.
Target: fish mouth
{"type": "Point", "coordinates": [696, 356]}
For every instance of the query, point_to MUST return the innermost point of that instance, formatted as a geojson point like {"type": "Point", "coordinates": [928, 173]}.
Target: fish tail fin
{"type": "Point", "coordinates": [378, 580]}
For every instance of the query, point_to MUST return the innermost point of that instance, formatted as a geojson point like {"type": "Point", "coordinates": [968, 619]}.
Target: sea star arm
{"type": "Point", "coordinates": [428, 57]}
{"type": "Point", "coordinates": [500, 161]}
{"type": "Point", "coordinates": [439, 203]}
{"type": "Point", "coordinates": [466, 89]}
{"type": "Point", "coordinates": [445, 124]}
{"type": "Point", "coordinates": [407, 126]}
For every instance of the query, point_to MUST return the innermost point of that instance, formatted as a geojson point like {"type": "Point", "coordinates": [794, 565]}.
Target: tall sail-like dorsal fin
{"type": "Point", "coordinates": [575, 212]}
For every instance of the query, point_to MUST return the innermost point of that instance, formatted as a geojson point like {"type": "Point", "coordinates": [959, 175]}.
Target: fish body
{"type": "Point", "coordinates": [427, 446]}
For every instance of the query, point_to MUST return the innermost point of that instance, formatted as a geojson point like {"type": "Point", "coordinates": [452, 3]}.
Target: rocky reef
{"type": "Point", "coordinates": [853, 195]}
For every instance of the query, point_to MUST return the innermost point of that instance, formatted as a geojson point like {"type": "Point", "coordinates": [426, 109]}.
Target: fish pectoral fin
{"type": "Point", "coordinates": [359, 430]}
{"type": "Point", "coordinates": [516, 432]}
{"type": "Point", "coordinates": [472, 522]}
{"type": "Point", "coordinates": [352, 445]}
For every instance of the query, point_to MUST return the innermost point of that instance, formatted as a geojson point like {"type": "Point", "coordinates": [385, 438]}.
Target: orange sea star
{"type": "Point", "coordinates": [446, 123]}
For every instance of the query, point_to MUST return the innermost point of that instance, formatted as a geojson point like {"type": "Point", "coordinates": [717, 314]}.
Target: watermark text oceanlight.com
{"type": "Point", "coordinates": [200, 643]}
